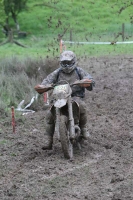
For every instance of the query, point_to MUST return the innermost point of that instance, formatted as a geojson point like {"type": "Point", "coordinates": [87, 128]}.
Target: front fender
{"type": "Point", "coordinates": [60, 103]}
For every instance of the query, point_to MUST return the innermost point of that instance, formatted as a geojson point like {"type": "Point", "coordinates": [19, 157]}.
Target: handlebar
{"type": "Point", "coordinates": [44, 88]}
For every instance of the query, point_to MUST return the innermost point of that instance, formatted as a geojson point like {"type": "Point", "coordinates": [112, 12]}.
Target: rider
{"type": "Point", "coordinates": [68, 71]}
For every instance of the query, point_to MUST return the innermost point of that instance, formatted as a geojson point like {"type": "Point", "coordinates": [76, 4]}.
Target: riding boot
{"type": "Point", "coordinates": [48, 137]}
{"type": "Point", "coordinates": [49, 131]}
{"type": "Point", "coordinates": [85, 133]}
{"type": "Point", "coordinates": [83, 126]}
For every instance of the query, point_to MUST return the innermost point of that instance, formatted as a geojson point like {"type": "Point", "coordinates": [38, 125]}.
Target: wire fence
{"type": "Point", "coordinates": [115, 33]}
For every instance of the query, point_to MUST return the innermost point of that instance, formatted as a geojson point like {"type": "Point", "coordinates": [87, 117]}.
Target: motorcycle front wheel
{"type": "Point", "coordinates": [66, 144]}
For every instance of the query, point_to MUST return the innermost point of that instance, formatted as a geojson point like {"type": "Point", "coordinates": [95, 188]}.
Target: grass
{"type": "Point", "coordinates": [78, 14]}
{"type": "Point", "coordinates": [18, 77]}
{"type": "Point", "coordinates": [76, 20]}
{"type": "Point", "coordinates": [88, 21]}
{"type": "Point", "coordinates": [87, 49]}
{"type": "Point", "coordinates": [3, 141]}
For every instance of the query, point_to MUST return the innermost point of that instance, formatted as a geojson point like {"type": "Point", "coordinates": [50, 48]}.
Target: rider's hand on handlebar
{"type": "Point", "coordinates": [43, 88]}
{"type": "Point", "coordinates": [83, 83]}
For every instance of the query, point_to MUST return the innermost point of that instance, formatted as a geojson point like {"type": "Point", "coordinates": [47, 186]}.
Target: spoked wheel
{"type": "Point", "coordinates": [66, 144]}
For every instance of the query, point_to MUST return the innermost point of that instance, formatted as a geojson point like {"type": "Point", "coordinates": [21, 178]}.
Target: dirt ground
{"type": "Point", "coordinates": [102, 170]}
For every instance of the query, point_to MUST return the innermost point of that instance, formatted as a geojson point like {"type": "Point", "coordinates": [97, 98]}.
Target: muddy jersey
{"type": "Point", "coordinates": [77, 74]}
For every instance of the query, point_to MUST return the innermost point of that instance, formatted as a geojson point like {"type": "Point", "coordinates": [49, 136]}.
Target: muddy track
{"type": "Point", "coordinates": [102, 170]}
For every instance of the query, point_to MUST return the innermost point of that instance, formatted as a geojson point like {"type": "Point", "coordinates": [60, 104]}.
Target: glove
{"type": "Point", "coordinates": [43, 88]}
{"type": "Point", "coordinates": [83, 83]}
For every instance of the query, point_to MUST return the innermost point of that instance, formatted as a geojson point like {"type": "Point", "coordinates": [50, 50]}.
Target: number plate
{"type": "Point", "coordinates": [61, 88]}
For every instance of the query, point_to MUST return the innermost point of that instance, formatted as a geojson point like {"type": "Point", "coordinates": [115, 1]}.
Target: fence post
{"type": "Point", "coordinates": [60, 45]}
{"type": "Point", "coordinates": [123, 32]}
{"type": "Point", "coordinates": [71, 36]}
{"type": "Point", "coordinates": [13, 119]}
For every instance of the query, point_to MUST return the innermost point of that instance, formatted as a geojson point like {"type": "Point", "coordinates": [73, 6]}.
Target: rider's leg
{"type": "Point", "coordinates": [83, 127]}
{"type": "Point", "coordinates": [49, 131]}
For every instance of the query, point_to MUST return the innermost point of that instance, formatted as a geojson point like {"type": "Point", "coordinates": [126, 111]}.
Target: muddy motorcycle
{"type": "Point", "coordinates": [67, 132]}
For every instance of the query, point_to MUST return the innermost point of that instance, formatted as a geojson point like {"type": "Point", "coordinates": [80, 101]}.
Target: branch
{"type": "Point", "coordinates": [19, 44]}
{"type": "Point", "coordinates": [61, 35]}
{"type": "Point", "coordinates": [123, 8]}
{"type": "Point", "coordinates": [3, 43]}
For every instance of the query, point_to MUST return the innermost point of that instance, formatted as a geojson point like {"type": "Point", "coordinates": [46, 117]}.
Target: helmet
{"type": "Point", "coordinates": [67, 61]}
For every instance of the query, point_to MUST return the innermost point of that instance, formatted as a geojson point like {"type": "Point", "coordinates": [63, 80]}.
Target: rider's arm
{"type": "Point", "coordinates": [51, 78]}
{"type": "Point", "coordinates": [85, 75]}
{"type": "Point", "coordinates": [47, 83]}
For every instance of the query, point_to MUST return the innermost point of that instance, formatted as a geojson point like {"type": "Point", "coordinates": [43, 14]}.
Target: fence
{"type": "Point", "coordinates": [115, 33]}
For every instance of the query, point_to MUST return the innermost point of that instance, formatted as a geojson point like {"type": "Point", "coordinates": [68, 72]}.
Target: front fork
{"type": "Point", "coordinates": [57, 112]}
{"type": "Point", "coordinates": [70, 118]}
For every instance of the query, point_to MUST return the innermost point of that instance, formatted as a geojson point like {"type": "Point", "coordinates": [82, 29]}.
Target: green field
{"type": "Point", "coordinates": [44, 22]}
{"type": "Point", "coordinates": [80, 21]}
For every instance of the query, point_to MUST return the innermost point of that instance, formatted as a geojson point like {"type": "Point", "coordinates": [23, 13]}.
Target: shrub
{"type": "Point", "coordinates": [18, 78]}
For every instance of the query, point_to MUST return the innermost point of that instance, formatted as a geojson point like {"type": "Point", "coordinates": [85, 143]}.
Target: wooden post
{"type": "Point", "coordinates": [60, 45]}
{"type": "Point", "coordinates": [123, 32]}
{"type": "Point", "coordinates": [13, 119]}
{"type": "Point", "coordinates": [71, 36]}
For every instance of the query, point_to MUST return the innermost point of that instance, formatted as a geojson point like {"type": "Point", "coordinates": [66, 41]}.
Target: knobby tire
{"type": "Point", "coordinates": [67, 146]}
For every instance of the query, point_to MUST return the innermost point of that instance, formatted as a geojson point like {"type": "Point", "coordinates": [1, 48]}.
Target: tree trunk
{"type": "Point", "coordinates": [10, 36]}
{"type": "Point", "coordinates": [11, 40]}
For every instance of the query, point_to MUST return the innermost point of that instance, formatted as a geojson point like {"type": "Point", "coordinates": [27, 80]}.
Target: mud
{"type": "Point", "coordinates": [102, 170]}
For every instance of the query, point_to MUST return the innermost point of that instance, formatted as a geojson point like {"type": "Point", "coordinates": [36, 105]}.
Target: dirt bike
{"type": "Point", "coordinates": [68, 133]}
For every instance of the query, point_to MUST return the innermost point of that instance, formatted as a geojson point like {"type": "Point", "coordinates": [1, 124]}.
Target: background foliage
{"type": "Point", "coordinates": [18, 78]}
{"type": "Point", "coordinates": [45, 23]}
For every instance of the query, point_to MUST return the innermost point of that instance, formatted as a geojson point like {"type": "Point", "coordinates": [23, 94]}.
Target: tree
{"type": "Point", "coordinates": [10, 8]}
{"type": "Point", "coordinates": [2, 13]}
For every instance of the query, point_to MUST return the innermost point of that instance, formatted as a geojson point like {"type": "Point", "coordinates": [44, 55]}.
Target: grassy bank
{"type": "Point", "coordinates": [54, 51]}
{"type": "Point", "coordinates": [88, 21]}
{"type": "Point", "coordinates": [46, 22]}
{"type": "Point", "coordinates": [18, 77]}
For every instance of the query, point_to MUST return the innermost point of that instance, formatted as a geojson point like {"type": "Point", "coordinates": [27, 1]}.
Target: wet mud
{"type": "Point", "coordinates": [102, 170]}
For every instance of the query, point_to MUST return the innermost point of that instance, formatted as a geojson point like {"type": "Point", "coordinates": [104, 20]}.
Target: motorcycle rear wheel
{"type": "Point", "coordinates": [66, 144]}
